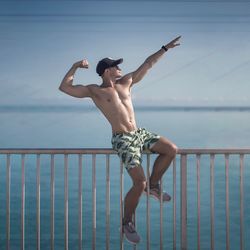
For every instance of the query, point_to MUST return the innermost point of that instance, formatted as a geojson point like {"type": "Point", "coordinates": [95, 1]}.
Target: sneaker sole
{"type": "Point", "coordinates": [131, 242]}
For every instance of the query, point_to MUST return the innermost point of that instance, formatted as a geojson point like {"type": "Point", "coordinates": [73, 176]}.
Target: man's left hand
{"type": "Point", "coordinates": [173, 43]}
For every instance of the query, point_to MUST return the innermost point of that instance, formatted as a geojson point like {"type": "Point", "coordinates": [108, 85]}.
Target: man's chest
{"type": "Point", "coordinates": [113, 95]}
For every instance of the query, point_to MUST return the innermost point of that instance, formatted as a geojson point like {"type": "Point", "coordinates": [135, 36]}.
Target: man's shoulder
{"type": "Point", "coordinates": [93, 87]}
{"type": "Point", "coordinates": [125, 80]}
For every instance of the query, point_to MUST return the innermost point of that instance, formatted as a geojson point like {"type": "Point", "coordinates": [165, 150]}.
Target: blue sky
{"type": "Point", "coordinates": [40, 40]}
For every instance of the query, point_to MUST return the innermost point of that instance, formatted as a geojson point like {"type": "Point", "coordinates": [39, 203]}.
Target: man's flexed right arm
{"type": "Point", "coordinates": [67, 86]}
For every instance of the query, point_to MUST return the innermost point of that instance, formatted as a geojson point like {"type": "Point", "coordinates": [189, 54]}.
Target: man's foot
{"type": "Point", "coordinates": [155, 192]}
{"type": "Point", "coordinates": [130, 233]}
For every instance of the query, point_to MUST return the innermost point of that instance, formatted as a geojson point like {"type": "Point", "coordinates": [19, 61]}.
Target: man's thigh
{"type": "Point", "coordinates": [163, 146]}
{"type": "Point", "coordinates": [137, 174]}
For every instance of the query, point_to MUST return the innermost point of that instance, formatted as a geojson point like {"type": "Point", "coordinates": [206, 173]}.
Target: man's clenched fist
{"type": "Point", "coordinates": [82, 64]}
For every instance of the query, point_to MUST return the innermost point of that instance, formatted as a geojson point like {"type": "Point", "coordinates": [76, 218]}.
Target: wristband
{"type": "Point", "coordinates": [163, 47]}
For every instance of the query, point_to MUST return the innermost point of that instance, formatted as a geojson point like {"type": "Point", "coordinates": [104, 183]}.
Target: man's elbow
{"type": "Point", "coordinates": [149, 63]}
{"type": "Point", "coordinates": [61, 88]}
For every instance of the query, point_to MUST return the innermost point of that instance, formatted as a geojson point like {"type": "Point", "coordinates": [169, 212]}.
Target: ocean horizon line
{"type": "Point", "coordinates": [141, 108]}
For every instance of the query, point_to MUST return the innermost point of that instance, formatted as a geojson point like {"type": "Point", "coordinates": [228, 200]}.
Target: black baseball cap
{"type": "Point", "coordinates": [106, 63]}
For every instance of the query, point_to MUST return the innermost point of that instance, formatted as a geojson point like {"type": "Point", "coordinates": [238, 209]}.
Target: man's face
{"type": "Point", "coordinates": [116, 70]}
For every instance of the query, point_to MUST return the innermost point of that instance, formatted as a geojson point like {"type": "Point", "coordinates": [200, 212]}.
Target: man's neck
{"type": "Point", "coordinates": [108, 82]}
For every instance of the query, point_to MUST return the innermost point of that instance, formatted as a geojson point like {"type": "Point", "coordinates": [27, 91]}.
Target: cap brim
{"type": "Point", "coordinates": [116, 62]}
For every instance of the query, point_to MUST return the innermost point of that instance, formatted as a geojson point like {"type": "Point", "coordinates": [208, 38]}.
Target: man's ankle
{"type": "Point", "coordinates": [126, 221]}
{"type": "Point", "coordinates": [154, 185]}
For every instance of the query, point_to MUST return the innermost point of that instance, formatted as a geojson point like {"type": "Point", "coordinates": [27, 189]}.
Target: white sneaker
{"type": "Point", "coordinates": [130, 233]}
{"type": "Point", "coordinates": [155, 192]}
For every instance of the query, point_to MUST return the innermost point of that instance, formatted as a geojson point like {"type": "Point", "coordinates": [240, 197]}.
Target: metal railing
{"type": "Point", "coordinates": [182, 156]}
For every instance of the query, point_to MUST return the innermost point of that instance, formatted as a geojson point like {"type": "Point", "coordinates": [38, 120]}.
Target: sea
{"type": "Point", "coordinates": [85, 127]}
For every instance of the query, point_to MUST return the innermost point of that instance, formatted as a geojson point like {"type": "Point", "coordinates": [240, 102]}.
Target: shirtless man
{"type": "Point", "coordinates": [113, 98]}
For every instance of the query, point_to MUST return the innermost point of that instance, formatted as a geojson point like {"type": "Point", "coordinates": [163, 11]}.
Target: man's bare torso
{"type": "Point", "coordinates": [116, 104]}
{"type": "Point", "coordinates": [113, 97]}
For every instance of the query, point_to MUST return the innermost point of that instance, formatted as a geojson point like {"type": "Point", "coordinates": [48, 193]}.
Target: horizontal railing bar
{"type": "Point", "coordinates": [111, 151]}
{"type": "Point", "coordinates": [58, 151]}
{"type": "Point", "coordinates": [214, 151]}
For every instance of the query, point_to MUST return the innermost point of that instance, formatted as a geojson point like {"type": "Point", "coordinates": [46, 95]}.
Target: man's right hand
{"type": "Point", "coordinates": [82, 64]}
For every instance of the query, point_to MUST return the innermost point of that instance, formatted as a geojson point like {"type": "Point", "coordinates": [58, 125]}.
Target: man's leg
{"type": "Point", "coordinates": [133, 195]}
{"type": "Point", "coordinates": [167, 152]}
{"type": "Point", "coordinates": [131, 202]}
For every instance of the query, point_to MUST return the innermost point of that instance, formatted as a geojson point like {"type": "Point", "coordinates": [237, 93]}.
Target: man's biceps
{"type": "Point", "coordinates": [136, 74]}
{"type": "Point", "coordinates": [141, 70]}
{"type": "Point", "coordinates": [84, 91]}
{"type": "Point", "coordinates": [79, 91]}
{"type": "Point", "coordinates": [139, 75]}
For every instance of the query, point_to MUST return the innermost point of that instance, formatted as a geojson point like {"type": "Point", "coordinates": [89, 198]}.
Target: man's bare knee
{"type": "Point", "coordinates": [170, 150]}
{"type": "Point", "coordinates": [173, 151]}
{"type": "Point", "coordinates": [165, 147]}
{"type": "Point", "coordinates": [138, 178]}
{"type": "Point", "coordinates": [140, 184]}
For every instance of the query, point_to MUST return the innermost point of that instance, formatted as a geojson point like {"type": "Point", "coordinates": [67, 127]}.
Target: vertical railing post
{"type": "Point", "coordinates": [8, 203]}
{"type": "Point", "coordinates": [174, 204]}
{"type": "Point", "coordinates": [93, 201]}
{"type": "Point", "coordinates": [183, 201]}
{"type": "Point", "coordinates": [198, 163]}
{"type": "Point", "coordinates": [80, 202]}
{"type": "Point", "coordinates": [148, 203]}
{"type": "Point", "coordinates": [52, 201]}
{"type": "Point", "coordinates": [212, 200]}
{"type": "Point", "coordinates": [38, 201]}
{"type": "Point", "coordinates": [66, 204]}
{"type": "Point", "coordinates": [134, 221]}
{"type": "Point", "coordinates": [107, 202]}
{"type": "Point", "coordinates": [121, 205]}
{"type": "Point", "coordinates": [23, 205]}
{"type": "Point", "coordinates": [242, 201]}
{"type": "Point", "coordinates": [227, 202]}
{"type": "Point", "coordinates": [161, 217]}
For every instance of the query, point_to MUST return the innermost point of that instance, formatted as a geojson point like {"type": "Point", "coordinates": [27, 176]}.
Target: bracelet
{"type": "Point", "coordinates": [163, 47]}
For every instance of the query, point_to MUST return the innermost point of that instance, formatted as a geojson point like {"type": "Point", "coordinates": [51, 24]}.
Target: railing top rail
{"type": "Point", "coordinates": [214, 151]}
{"type": "Point", "coordinates": [111, 151]}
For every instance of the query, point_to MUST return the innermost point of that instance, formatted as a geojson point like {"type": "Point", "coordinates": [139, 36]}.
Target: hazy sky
{"type": "Point", "coordinates": [40, 40]}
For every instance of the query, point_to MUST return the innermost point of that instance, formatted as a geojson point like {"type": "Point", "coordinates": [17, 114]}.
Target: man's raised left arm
{"type": "Point", "coordinates": [138, 74]}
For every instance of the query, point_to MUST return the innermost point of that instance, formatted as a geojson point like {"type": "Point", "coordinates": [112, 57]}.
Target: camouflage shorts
{"type": "Point", "coordinates": [130, 145]}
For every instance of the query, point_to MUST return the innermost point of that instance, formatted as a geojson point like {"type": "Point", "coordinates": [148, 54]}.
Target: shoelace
{"type": "Point", "coordinates": [157, 190]}
{"type": "Point", "coordinates": [131, 227]}
{"type": "Point", "coordinates": [153, 187]}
